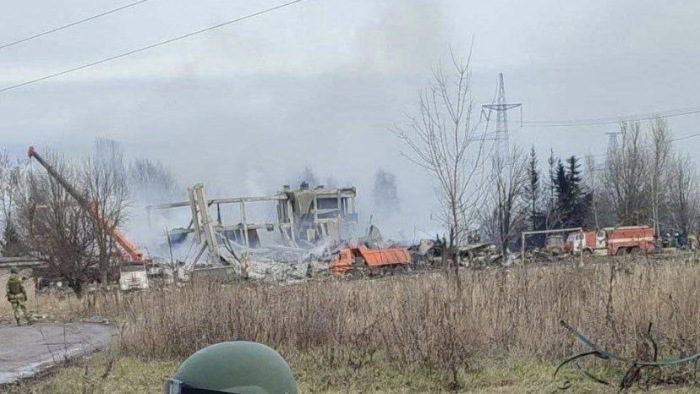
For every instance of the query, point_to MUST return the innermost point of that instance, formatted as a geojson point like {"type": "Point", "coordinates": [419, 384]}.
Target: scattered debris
{"type": "Point", "coordinates": [96, 319]}
{"type": "Point", "coordinates": [635, 367]}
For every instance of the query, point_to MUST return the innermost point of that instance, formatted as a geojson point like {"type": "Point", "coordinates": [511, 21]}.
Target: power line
{"type": "Point", "coordinates": [687, 137]}
{"type": "Point", "coordinates": [112, 11]}
{"type": "Point", "coordinates": [613, 119]}
{"type": "Point", "coordinates": [109, 59]}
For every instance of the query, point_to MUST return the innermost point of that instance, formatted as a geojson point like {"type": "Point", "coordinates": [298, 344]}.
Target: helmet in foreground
{"type": "Point", "coordinates": [233, 367]}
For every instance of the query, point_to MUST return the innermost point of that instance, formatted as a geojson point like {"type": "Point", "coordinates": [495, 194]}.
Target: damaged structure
{"type": "Point", "coordinates": [310, 221]}
{"type": "Point", "coordinates": [307, 216]}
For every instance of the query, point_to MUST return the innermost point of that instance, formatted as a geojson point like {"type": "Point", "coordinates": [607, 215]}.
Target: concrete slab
{"type": "Point", "coordinates": [28, 350]}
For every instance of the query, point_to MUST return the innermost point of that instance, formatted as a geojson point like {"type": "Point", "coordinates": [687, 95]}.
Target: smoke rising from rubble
{"type": "Point", "coordinates": [386, 197]}
{"type": "Point", "coordinates": [243, 109]}
{"type": "Point", "coordinates": [151, 182]}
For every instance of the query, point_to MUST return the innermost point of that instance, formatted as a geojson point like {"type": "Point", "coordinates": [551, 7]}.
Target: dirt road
{"type": "Point", "coordinates": [28, 350]}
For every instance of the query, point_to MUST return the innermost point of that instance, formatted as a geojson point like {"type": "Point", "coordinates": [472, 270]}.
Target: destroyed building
{"type": "Point", "coordinates": [320, 214]}
{"type": "Point", "coordinates": [306, 219]}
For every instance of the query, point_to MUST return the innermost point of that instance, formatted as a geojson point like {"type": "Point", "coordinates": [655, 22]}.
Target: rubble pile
{"type": "Point", "coordinates": [287, 271]}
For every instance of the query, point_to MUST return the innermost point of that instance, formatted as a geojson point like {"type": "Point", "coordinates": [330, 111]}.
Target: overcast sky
{"type": "Point", "coordinates": [244, 108]}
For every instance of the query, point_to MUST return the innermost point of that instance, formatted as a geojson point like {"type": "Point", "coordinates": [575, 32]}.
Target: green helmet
{"type": "Point", "coordinates": [233, 367]}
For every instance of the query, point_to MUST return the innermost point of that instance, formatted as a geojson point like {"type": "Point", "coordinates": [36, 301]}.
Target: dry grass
{"type": "Point", "coordinates": [423, 333]}
{"type": "Point", "coordinates": [427, 321]}
{"type": "Point", "coordinates": [134, 375]}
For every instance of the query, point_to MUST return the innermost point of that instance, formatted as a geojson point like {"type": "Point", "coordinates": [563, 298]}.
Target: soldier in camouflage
{"type": "Point", "coordinates": [17, 296]}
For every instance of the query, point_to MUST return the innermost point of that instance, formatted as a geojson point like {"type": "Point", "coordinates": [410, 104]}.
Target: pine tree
{"type": "Point", "coordinates": [576, 204]}
{"type": "Point", "coordinates": [552, 216]}
{"type": "Point", "coordinates": [571, 206]}
{"type": "Point", "coordinates": [11, 243]}
{"type": "Point", "coordinates": [533, 190]}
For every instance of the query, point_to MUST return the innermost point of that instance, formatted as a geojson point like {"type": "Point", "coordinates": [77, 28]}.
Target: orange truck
{"type": "Point", "coordinates": [612, 241]}
{"type": "Point", "coordinates": [364, 259]}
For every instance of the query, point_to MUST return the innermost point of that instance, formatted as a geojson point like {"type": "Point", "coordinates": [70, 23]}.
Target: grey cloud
{"type": "Point", "coordinates": [322, 83]}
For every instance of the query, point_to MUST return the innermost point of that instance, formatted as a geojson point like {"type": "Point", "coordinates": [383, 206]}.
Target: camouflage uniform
{"type": "Point", "coordinates": [17, 296]}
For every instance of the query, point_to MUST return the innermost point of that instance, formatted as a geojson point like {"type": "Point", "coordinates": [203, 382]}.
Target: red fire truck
{"type": "Point", "coordinates": [612, 241]}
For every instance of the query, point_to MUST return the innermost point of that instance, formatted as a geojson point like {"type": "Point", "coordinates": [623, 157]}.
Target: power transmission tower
{"type": "Point", "coordinates": [612, 141]}
{"type": "Point", "coordinates": [501, 107]}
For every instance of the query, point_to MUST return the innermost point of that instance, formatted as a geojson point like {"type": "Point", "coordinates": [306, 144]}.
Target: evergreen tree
{"type": "Point", "coordinates": [532, 191]}
{"type": "Point", "coordinates": [11, 243]}
{"type": "Point", "coordinates": [577, 208]}
{"type": "Point", "coordinates": [572, 205]}
{"type": "Point", "coordinates": [552, 218]}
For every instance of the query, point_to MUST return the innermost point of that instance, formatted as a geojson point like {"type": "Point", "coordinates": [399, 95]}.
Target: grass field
{"type": "Point", "coordinates": [134, 375]}
{"type": "Point", "coordinates": [486, 331]}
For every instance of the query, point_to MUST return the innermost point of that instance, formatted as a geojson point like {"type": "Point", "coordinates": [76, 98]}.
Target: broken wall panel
{"type": "Point", "coordinates": [306, 218]}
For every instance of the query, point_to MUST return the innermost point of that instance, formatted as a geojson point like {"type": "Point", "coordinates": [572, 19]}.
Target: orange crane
{"type": "Point", "coordinates": [129, 250]}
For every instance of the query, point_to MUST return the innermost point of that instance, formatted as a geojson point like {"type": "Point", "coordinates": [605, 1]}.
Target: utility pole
{"type": "Point", "coordinates": [502, 165]}
{"type": "Point", "coordinates": [501, 107]}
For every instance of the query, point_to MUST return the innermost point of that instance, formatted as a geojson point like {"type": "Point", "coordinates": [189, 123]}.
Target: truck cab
{"type": "Point", "coordinates": [588, 242]}
{"type": "Point", "coordinates": [573, 243]}
{"type": "Point", "coordinates": [133, 276]}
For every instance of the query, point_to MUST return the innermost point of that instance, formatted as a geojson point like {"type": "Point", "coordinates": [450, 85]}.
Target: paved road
{"type": "Point", "coordinates": [28, 350]}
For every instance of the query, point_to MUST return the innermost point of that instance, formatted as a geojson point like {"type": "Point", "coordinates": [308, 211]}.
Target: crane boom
{"type": "Point", "coordinates": [130, 250]}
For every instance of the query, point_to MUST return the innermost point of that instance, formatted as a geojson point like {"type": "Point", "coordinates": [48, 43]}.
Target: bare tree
{"type": "Point", "coordinates": [309, 177]}
{"type": "Point", "coordinates": [660, 155]}
{"type": "Point", "coordinates": [553, 216]}
{"type": "Point", "coordinates": [443, 140]}
{"type": "Point", "coordinates": [592, 181]}
{"type": "Point", "coordinates": [506, 211]}
{"type": "Point", "coordinates": [105, 180]}
{"type": "Point", "coordinates": [151, 182]}
{"type": "Point", "coordinates": [683, 195]}
{"type": "Point", "coordinates": [55, 227]}
{"type": "Point", "coordinates": [626, 175]}
{"type": "Point", "coordinates": [5, 176]}
{"type": "Point", "coordinates": [9, 178]}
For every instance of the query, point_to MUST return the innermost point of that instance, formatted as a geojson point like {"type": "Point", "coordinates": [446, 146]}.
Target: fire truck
{"type": "Point", "coordinates": [612, 241]}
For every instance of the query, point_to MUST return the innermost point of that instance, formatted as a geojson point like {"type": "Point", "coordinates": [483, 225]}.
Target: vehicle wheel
{"type": "Point", "coordinates": [635, 251]}
{"type": "Point", "coordinates": [587, 252]}
{"type": "Point", "coordinates": [621, 252]}
{"type": "Point", "coordinates": [359, 264]}
{"type": "Point", "coordinates": [398, 269]}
